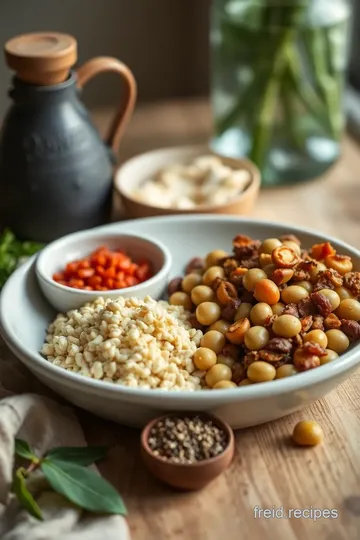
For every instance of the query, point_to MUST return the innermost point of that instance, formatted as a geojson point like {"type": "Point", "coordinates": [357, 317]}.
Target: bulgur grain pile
{"type": "Point", "coordinates": [132, 342]}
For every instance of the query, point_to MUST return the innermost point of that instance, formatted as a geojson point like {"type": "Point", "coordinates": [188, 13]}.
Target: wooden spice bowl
{"type": "Point", "coordinates": [192, 476]}
{"type": "Point", "coordinates": [134, 172]}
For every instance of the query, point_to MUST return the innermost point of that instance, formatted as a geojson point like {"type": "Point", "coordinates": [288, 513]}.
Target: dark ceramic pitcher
{"type": "Point", "coordinates": [56, 172]}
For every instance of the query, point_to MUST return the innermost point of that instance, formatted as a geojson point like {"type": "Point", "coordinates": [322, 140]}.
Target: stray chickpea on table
{"type": "Point", "coordinates": [205, 181]}
{"type": "Point", "coordinates": [307, 433]}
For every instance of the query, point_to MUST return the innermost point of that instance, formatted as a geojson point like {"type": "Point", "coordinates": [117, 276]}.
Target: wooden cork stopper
{"type": "Point", "coordinates": [42, 58]}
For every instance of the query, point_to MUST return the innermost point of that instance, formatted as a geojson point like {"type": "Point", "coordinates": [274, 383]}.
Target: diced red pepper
{"type": "Point", "coordinates": [104, 270]}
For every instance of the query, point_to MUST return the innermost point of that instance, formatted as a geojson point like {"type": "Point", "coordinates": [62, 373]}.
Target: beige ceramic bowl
{"type": "Point", "coordinates": [138, 169]}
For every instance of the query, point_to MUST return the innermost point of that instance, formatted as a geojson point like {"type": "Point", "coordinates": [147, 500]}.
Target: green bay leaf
{"type": "Point", "coordinates": [24, 496]}
{"type": "Point", "coordinates": [23, 449]}
{"type": "Point", "coordinates": [82, 455]}
{"type": "Point", "coordinates": [82, 487]}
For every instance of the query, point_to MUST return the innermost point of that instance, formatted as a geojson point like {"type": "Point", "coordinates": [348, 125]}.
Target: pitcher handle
{"type": "Point", "coordinates": [101, 64]}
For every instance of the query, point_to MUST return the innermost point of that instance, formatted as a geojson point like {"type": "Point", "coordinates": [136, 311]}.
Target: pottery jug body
{"type": "Point", "coordinates": [55, 170]}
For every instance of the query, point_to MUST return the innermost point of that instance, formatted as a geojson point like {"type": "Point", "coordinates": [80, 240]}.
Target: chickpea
{"type": "Point", "coordinates": [261, 372]}
{"type": "Point", "coordinates": [332, 296]}
{"type": "Point", "coordinates": [260, 313]}
{"type": "Point", "coordinates": [181, 299]}
{"type": "Point", "coordinates": [318, 336]}
{"type": "Point", "coordinates": [269, 269]}
{"type": "Point", "coordinates": [221, 326]}
{"type": "Point", "coordinates": [204, 358]}
{"type": "Point", "coordinates": [269, 245]}
{"type": "Point", "coordinates": [320, 267]}
{"type": "Point", "coordinates": [224, 384]}
{"type": "Point", "coordinates": [265, 259]}
{"type": "Point", "coordinates": [237, 331]}
{"type": "Point", "coordinates": [207, 313]}
{"type": "Point", "coordinates": [212, 273]}
{"type": "Point", "coordinates": [213, 340]}
{"type": "Point", "coordinates": [330, 356]}
{"type": "Point", "coordinates": [190, 281]}
{"type": "Point", "coordinates": [343, 293]}
{"type": "Point", "coordinates": [349, 309]}
{"type": "Point", "coordinates": [293, 294]}
{"type": "Point", "coordinates": [202, 293]}
{"type": "Point", "coordinates": [287, 326]}
{"type": "Point", "coordinates": [282, 276]}
{"type": "Point", "coordinates": [218, 373]}
{"type": "Point", "coordinates": [308, 433]}
{"type": "Point", "coordinates": [266, 291]}
{"type": "Point", "coordinates": [308, 286]}
{"type": "Point", "coordinates": [226, 360]}
{"type": "Point", "coordinates": [244, 382]}
{"type": "Point", "coordinates": [252, 277]}
{"type": "Point", "coordinates": [294, 246]}
{"type": "Point", "coordinates": [337, 340]}
{"type": "Point", "coordinates": [290, 238]}
{"type": "Point", "coordinates": [198, 271]}
{"type": "Point", "coordinates": [256, 338]}
{"type": "Point", "coordinates": [243, 311]}
{"type": "Point", "coordinates": [214, 257]}
{"type": "Point", "coordinates": [278, 308]}
{"type": "Point", "coordinates": [287, 370]}
{"type": "Point", "coordinates": [340, 263]}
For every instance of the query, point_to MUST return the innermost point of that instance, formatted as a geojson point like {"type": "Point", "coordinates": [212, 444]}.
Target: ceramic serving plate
{"type": "Point", "coordinates": [25, 314]}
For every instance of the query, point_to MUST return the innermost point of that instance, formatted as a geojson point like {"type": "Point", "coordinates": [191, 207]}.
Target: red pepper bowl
{"type": "Point", "coordinates": [54, 257]}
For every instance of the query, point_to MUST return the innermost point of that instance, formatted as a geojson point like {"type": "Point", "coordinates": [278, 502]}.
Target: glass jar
{"type": "Point", "coordinates": [278, 74]}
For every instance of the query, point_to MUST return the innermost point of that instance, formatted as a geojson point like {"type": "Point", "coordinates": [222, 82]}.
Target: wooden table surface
{"type": "Point", "coordinates": [267, 471]}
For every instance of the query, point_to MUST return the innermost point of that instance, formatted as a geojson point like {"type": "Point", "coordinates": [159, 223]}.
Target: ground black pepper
{"type": "Point", "coordinates": [187, 440]}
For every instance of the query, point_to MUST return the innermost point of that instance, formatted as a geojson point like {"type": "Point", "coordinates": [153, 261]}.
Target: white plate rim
{"type": "Point", "coordinates": [257, 391]}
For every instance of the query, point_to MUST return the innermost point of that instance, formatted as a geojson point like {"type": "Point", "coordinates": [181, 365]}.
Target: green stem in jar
{"type": "Point", "coordinates": [336, 44]}
{"type": "Point", "coordinates": [291, 114]}
{"type": "Point", "coordinates": [231, 117]}
{"type": "Point", "coordinates": [267, 108]}
{"type": "Point", "coordinates": [268, 104]}
{"type": "Point", "coordinates": [302, 87]}
{"type": "Point", "coordinates": [315, 41]}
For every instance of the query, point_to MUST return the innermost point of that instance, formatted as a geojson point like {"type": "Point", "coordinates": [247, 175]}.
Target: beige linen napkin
{"type": "Point", "coordinates": [44, 424]}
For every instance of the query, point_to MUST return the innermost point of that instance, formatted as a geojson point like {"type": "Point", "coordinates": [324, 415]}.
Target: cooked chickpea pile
{"type": "Point", "coordinates": [269, 310]}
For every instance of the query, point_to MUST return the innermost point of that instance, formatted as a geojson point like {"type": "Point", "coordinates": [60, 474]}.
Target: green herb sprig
{"type": "Point", "coordinates": [65, 470]}
{"type": "Point", "coordinates": [12, 253]}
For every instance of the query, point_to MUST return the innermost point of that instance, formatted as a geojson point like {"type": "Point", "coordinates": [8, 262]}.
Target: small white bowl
{"type": "Point", "coordinates": [132, 174]}
{"type": "Point", "coordinates": [56, 255]}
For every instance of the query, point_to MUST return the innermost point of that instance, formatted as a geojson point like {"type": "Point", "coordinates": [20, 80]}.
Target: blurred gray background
{"type": "Point", "coordinates": [164, 42]}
